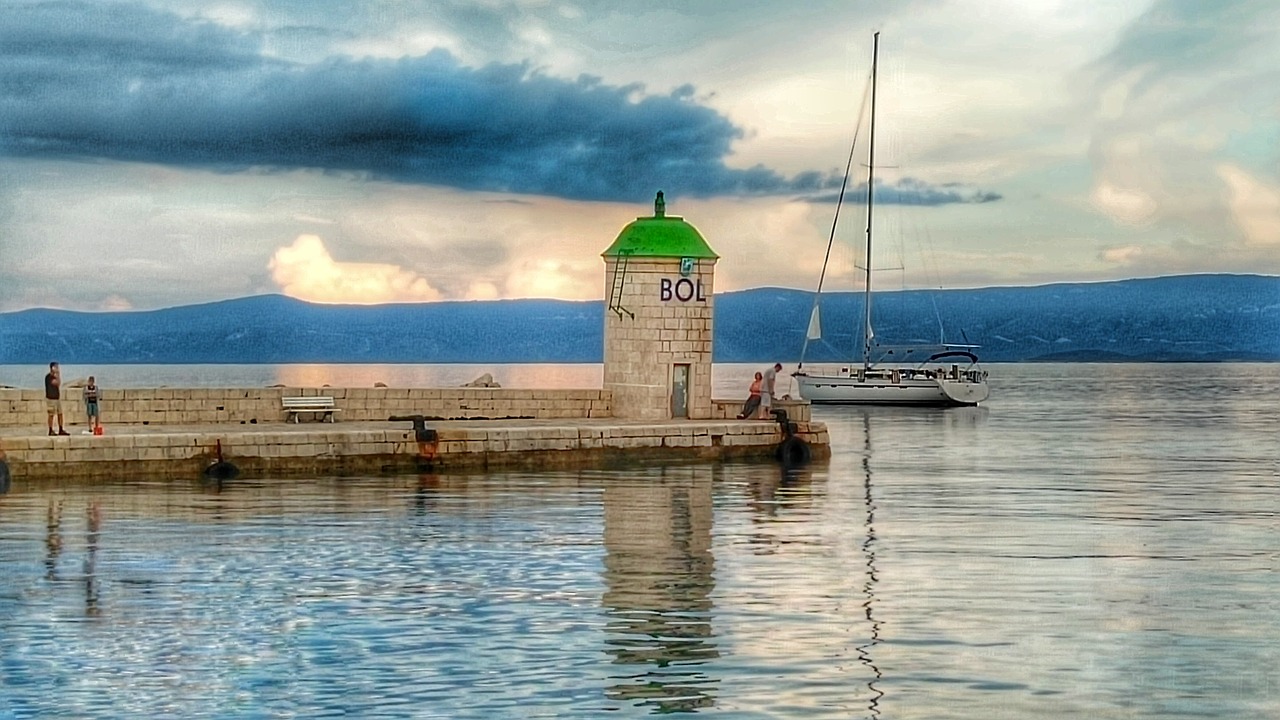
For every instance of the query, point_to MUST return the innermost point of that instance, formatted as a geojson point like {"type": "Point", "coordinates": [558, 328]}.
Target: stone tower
{"type": "Point", "coordinates": [658, 316]}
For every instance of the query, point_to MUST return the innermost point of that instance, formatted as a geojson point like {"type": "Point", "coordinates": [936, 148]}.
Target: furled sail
{"type": "Point", "coordinates": [815, 326]}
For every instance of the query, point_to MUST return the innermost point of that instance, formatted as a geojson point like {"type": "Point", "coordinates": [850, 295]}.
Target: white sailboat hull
{"type": "Point", "coordinates": [919, 391]}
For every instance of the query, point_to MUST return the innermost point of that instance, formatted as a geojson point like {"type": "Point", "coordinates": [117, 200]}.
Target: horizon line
{"type": "Point", "coordinates": [601, 299]}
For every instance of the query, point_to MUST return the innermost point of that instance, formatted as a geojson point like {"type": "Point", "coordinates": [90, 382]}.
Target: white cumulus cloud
{"type": "Point", "coordinates": [1129, 205]}
{"type": "Point", "coordinates": [305, 270]}
{"type": "Point", "coordinates": [1122, 255]}
{"type": "Point", "coordinates": [1255, 206]}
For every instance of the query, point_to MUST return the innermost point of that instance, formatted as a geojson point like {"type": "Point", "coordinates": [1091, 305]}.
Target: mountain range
{"type": "Point", "coordinates": [1177, 318]}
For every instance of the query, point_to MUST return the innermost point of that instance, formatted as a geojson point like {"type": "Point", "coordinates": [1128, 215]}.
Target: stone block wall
{"type": "Point", "coordinates": [797, 410]}
{"type": "Point", "coordinates": [322, 449]}
{"type": "Point", "coordinates": [640, 351]}
{"type": "Point", "coordinates": [200, 406]}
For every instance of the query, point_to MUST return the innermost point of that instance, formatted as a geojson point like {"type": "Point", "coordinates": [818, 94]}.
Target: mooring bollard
{"type": "Point", "coordinates": [427, 439]}
{"type": "Point", "coordinates": [792, 451]}
{"type": "Point", "coordinates": [6, 479]}
{"type": "Point", "coordinates": [420, 430]}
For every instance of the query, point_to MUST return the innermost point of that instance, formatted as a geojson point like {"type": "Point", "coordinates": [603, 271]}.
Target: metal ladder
{"type": "Point", "coordinates": [619, 280]}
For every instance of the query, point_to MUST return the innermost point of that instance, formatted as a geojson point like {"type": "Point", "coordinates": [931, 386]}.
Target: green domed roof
{"type": "Point", "coordinates": [660, 236]}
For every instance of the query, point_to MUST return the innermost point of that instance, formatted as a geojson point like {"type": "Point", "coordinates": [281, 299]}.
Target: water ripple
{"type": "Point", "coordinates": [1083, 546]}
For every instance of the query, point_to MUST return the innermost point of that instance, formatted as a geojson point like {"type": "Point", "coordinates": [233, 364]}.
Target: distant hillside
{"type": "Point", "coordinates": [1183, 318]}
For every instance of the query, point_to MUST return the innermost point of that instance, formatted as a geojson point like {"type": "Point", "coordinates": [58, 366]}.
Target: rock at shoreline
{"type": "Point", "coordinates": [485, 381]}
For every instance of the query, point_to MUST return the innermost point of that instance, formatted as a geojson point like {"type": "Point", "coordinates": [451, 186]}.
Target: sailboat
{"type": "Point", "coordinates": [937, 375]}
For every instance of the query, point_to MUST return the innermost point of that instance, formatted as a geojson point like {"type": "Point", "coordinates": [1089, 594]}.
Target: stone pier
{"type": "Point", "coordinates": [178, 432]}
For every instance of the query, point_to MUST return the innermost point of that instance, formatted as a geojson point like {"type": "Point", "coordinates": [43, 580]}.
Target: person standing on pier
{"type": "Point", "coordinates": [91, 397]}
{"type": "Point", "coordinates": [53, 397]}
{"type": "Point", "coordinates": [766, 391]}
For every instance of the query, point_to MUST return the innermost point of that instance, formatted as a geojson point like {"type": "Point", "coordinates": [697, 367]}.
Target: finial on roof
{"type": "Point", "coordinates": [659, 206]}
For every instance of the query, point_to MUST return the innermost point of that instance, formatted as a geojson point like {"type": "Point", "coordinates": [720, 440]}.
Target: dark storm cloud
{"type": "Point", "coordinates": [910, 191]}
{"type": "Point", "coordinates": [127, 83]}
{"type": "Point", "coordinates": [91, 44]}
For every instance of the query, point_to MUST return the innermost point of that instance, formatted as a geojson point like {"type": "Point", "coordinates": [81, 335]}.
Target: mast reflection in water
{"type": "Point", "coordinates": [869, 586]}
{"type": "Point", "coordinates": [659, 578]}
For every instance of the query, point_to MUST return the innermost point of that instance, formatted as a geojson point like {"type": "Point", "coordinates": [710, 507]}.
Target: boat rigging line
{"type": "Point", "coordinates": [844, 184]}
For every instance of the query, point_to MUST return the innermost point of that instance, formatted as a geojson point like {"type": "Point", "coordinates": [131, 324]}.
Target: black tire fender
{"type": "Point", "coordinates": [221, 470]}
{"type": "Point", "coordinates": [793, 452]}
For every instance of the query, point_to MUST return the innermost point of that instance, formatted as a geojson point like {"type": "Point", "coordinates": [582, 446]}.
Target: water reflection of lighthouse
{"type": "Point", "coordinates": [659, 577]}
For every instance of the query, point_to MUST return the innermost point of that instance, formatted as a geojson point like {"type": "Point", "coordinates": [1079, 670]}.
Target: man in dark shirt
{"type": "Point", "coordinates": [53, 397]}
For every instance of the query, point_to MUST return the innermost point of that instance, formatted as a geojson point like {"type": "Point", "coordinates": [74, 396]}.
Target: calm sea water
{"type": "Point", "coordinates": [1100, 541]}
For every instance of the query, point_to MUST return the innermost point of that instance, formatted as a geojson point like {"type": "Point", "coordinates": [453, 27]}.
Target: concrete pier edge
{"type": "Point", "coordinates": [370, 447]}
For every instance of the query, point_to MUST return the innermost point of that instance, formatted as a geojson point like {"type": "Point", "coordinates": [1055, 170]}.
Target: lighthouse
{"type": "Point", "coordinates": [658, 320]}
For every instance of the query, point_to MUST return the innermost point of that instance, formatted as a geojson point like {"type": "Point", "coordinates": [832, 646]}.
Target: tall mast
{"type": "Point", "coordinates": [867, 333]}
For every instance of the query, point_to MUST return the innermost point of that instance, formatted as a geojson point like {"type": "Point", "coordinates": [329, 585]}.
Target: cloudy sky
{"type": "Point", "coordinates": [171, 152]}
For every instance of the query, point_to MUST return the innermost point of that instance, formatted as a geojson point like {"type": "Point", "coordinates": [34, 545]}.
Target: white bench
{"type": "Point", "coordinates": [315, 404]}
